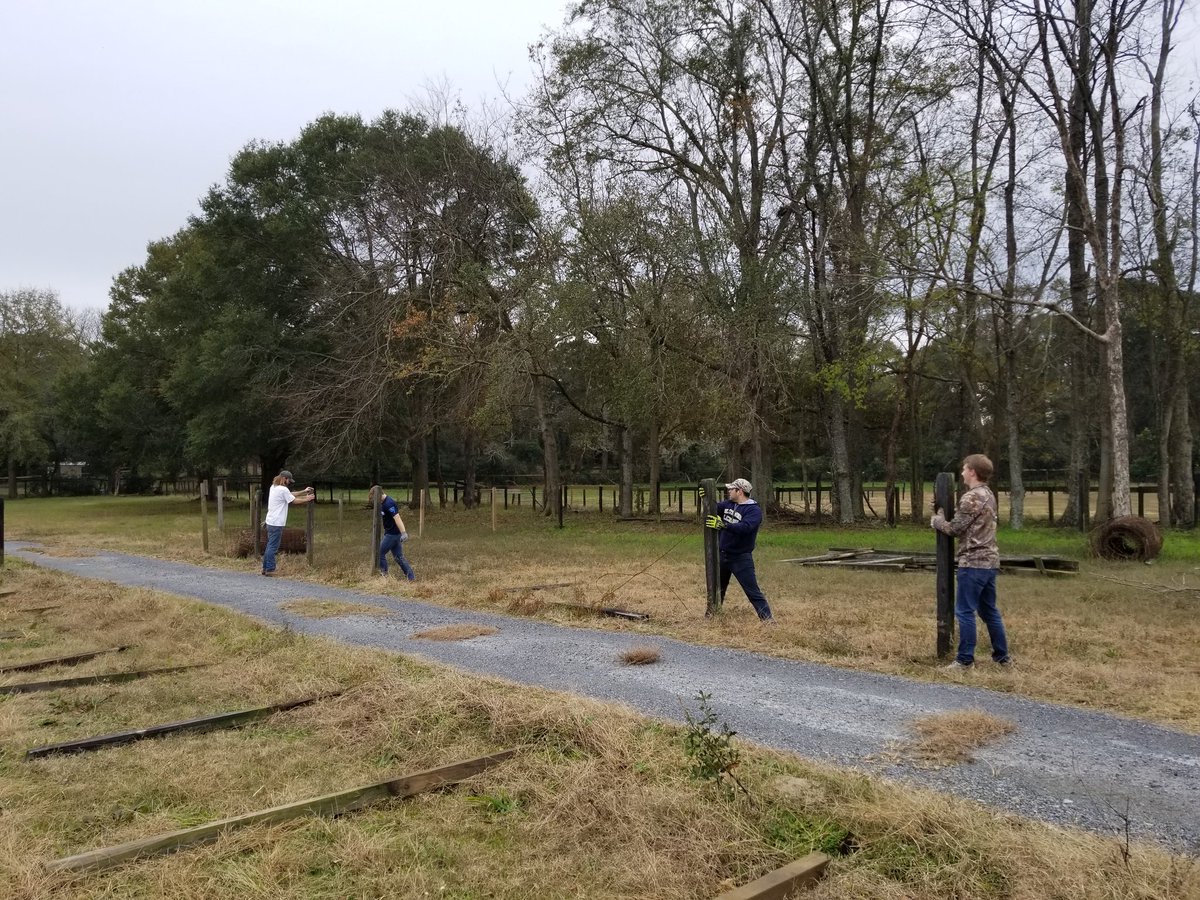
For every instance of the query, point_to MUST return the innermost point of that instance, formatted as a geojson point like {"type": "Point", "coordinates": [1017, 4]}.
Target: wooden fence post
{"type": "Point", "coordinates": [712, 551]}
{"type": "Point", "coordinates": [221, 507]}
{"type": "Point", "coordinates": [255, 501]}
{"type": "Point", "coordinates": [376, 527]}
{"type": "Point", "coordinates": [943, 494]}
{"type": "Point", "coordinates": [309, 522]}
{"type": "Point", "coordinates": [204, 514]}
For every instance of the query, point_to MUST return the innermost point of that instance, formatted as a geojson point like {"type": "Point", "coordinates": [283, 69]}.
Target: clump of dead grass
{"type": "Point", "coordinates": [525, 604]}
{"type": "Point", "coordinates": [312, 608]}
{"type": "Point", "coordinates": [455, 632]}
{"type": "Point", "coordinates": [948, 738]}
{"type": "Point", "coordinates": [640, 656]}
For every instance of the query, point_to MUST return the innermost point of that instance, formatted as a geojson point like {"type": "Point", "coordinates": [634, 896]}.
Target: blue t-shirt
{"type": "Point", "coordinates": [741, 525]}
{"type": "Point", "coordinates": [388, 510]}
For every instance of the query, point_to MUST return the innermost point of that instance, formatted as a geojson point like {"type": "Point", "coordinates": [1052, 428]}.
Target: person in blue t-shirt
{"type": "Point", "coordinates": [738, 519]}
{"type": "Point", "coordinates": [394, 534]}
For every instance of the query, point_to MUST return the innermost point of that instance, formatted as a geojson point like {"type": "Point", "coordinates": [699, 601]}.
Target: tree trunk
{"type": "Point", "coordinates": [12, 476]}
{"type": "Point", "coordinates": [842, 494]}
{"type": "Point", "coordinates": [1183, 497]}
{"type": "Point", "coordinates": [625, 507]}
{"type": "Point", "coordinates": [655, 467]}
{"type": "Point", "coordinates": [552, 481]}
{"type": "Point", "coordinates": [469, 447]}
{"type": "Point", "coordinates": [419, 455]}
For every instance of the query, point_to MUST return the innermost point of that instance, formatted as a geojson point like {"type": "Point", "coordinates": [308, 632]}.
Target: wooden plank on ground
{"type": "Point", "coordinates": [35, 609]}
{"type": "Point", "coordinates": [61, 660]}
{"type": "Point", "coordinates": [329, 805]}
{"type": "Point", "coordinates": [103, 678]}
{"type": "Point", "coordinates": [203, 723]}
{"type": "Point", "coordinates": [828, 557]}
{"type": "Point", "coordinates": [539, 587]}
{"type": "Point", "coordinates": [782, 882]}
{"type": "Point", "coordinates": [602, 610]}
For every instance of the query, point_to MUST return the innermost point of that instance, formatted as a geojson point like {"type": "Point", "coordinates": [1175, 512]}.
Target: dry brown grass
{"type": "Point", "coordinates": [598, 803]}
{"type": "Point", "coordinates": [313, 608]}
{"type": "Point", "coordinates": [640, 656]}
{"type": "Point", "coordinates": [455, 632]}
{"type": "Point", "coordinates": [1125, 648]}
{"type": "Point", "coordinates": [944, 739]}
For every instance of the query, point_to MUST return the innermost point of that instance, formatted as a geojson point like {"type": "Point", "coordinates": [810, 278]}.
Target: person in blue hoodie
{"type": "Point", "coordinates": [737, 520]}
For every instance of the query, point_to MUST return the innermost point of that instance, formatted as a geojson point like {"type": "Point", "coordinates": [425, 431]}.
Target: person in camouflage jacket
{"type": "Point", "coordinates": [974, 524]}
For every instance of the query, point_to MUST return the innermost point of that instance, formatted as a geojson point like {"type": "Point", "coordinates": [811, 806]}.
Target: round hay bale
{"type": "Point", "coordinates": [1127, 538]}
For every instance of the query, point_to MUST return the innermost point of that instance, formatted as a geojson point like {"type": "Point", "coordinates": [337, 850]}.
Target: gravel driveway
{"type": "Point", "coordinates": [1062, 765]}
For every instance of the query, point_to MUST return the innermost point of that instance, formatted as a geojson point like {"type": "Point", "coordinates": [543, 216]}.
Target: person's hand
{"type": "Point", "coordinates": [714, 522]}
{"type": "Point", "coordinates": [937, 520]}
{"type": "Point", "coordinates": [403, 536]}
{"type": "Point", "coordinates": [701, 493]}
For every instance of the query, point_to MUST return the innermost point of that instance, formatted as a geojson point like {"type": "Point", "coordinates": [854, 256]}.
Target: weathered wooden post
{"type": "Point", "coordinates": [376, 528]}
{"type": "Point", "coordinates": [204, 514]}
{"type": "Point", "coordinates": [221, 507]}
{"type": "Point", "coordinates": [943, 495]}
{"type": "Point", "coordinates": [712, 550]}
{"type": "Point", "coordinates": [309, 522]}
{"type": "Point", "coordinates": [1, 531]}
{"type": "Point", "coordinates": [255, 501]}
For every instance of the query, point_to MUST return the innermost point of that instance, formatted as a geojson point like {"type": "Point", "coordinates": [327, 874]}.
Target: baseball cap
{"type": "Point", "coordinates": [741, 484]}
{"type": "Point", "coordinates": [284, 473]}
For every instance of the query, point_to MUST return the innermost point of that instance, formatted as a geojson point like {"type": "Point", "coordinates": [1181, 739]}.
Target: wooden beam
{"type": "Point", "coordinates": [712, 551]}
{"type": "Point", "coordinates": [602, 610]}
{"type": "Point", "coordinates": [109, 678]}
{"type": "Point", "coordinates": [943, 493]}
{"type": "Point", "coordinates": [60, 660]}
{"type": "Point", "coordinates": [203, 723]}
{"type": "Point", "coordinates": [782, 882]}
{"type": "Point", "coordinates": [539, 587]}
{"type": "Point", "coordinates": [329, 805]}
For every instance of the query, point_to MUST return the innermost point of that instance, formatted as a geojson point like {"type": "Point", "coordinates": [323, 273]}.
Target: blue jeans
{"type": "Point", "coordinates": [977, 596]}
{"type": "Point", "coordinates": [391, 543]}
{"type": "Point", "coordinates": [741, 567]}
{"type": "Point", "coordinates": [274, 536]}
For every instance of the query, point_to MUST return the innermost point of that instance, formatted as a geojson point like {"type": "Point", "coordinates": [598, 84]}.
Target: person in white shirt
{"type": "Point", "coordinates": [278, 500]}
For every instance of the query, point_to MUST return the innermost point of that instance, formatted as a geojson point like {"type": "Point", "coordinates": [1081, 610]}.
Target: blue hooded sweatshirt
{"type": "Point", "coordinates": [741, 525]}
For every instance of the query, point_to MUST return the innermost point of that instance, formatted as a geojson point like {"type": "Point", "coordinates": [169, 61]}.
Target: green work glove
{"type": "Point", "coordinates": [714, 522]}
{"type": "Point", "coordinates": [701, 493]}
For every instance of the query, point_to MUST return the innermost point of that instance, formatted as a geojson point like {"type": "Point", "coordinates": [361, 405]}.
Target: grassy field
{"type": "Point", "coordinates": [1118, 637]}
{"type": "Point", "coordinates": [598, 803]}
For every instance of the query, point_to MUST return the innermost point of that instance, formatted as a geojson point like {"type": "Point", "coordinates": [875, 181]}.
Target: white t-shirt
{"type": "Point", "coordinates": [277, 504]}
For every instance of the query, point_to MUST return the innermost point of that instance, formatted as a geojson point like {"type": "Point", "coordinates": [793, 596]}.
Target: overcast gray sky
{"type": "Point", "coordinates": [118, 115]}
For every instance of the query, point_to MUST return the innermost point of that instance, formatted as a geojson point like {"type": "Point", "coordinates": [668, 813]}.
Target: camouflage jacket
{"type": "Point", "coordinates": [974, 524]}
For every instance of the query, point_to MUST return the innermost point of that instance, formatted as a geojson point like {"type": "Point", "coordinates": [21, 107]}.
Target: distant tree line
{"type": "Point", "coordinates": [757, 238]}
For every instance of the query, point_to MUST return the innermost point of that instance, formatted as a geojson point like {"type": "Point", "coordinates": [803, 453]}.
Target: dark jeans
{"type": "Point", "coordinates": [977, 596]}
{"type": "Point", "coordinates": [741, 567]}
{"type": "Point", "coordinates": [274, 536]}
{"type": "Point", "coordinates": [391, 543]}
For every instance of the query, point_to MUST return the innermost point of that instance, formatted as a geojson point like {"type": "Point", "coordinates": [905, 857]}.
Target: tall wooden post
{"type": "Point", "coordinates": [376, 528]}
{"type": "Point", "coordinates": [1, 531]}
{"type": "Point", "coordinates": [309, 522]}
{"type": "Point", "coordinates": [943, 494]}
{"type": "Point", "coordinates": [221, 507]}
{"type": "Point", "coordinates": [712, 551]}
{"type": "Point", "coordinates": [204, 514]}
{"type": "Point", "coordinates": [255, 523]}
